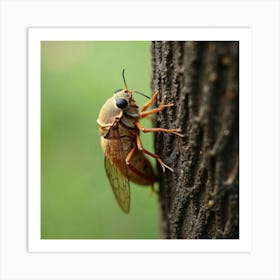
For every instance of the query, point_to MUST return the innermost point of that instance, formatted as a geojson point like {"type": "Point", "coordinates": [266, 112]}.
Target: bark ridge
{"type": "Point", "coordinates": [200, 199]}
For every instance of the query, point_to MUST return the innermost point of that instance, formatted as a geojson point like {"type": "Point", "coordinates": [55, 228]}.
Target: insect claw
{"type": "Point", "coordinates": [178, 131]}
{"type": "Point", "coordinates": [163, 100]}
{"type": "Point", "coordinates": [163, 105]}
{"type": "Point", "coordinates": [163, 165]}
{"type": "Point", "coordinates": [166, 105]}
{"type": "Point", "coordinates": [180, 134]}
{"type": "Point", "coordinates": [171, 169]}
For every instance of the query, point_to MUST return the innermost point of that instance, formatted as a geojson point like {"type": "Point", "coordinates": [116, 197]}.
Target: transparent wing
{"type": "Point", "coordinates": [116, 169]}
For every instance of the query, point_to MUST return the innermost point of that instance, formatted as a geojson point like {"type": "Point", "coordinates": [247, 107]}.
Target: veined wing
{"type": "Point", "coordinates": [116, 168]}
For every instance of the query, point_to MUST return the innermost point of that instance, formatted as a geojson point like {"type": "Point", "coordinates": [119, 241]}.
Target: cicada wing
{"type": "Point", "coordinates": [120, 186]}
{"type": "Point", "coordinates": [116, 169]}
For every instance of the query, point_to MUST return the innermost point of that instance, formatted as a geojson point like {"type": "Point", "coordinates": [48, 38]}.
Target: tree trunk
{"type": "Point", "coordinates": [200, 199]}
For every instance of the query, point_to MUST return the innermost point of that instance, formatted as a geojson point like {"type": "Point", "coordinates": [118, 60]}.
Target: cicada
{"type": "Point", "coordinates": [125, 157]}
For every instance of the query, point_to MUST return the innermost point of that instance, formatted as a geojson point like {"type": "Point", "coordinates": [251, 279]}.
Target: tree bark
{"type": "Point", "coordinates": [200, 199]}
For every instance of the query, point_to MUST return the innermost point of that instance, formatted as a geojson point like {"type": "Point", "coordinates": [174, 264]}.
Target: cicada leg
{"type": "Point", "coordinates": [144, 113]}
{"type": "Point", "coordinates": [141, 148]}
{"type": "Point", "coordinates": [149, 103]}
{"type": "Point", "coordinates": [159, 129]}
{"type": "Point", "coordinates": [130, 154]}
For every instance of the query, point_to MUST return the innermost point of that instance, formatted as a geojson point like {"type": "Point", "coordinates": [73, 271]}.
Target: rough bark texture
{"type": "Point", "coordinates": [200, 199]}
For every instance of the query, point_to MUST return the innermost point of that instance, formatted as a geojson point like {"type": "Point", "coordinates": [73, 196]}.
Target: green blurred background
{"type": "Point", "coordinates": [76, 198]}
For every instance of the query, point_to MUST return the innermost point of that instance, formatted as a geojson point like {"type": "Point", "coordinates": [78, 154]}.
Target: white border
{"type": "Point", "coordinates": [243, 35]}
{"type": "Point", "coordinates": [263, 260]}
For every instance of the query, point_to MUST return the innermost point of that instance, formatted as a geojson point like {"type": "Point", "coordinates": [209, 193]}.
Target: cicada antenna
{"type": "Point", "coordinates": [141, 93]}
{"type": "Point", "coordinates": [124, 78]}
{"type": "Point", "coordinates": [138, 92]}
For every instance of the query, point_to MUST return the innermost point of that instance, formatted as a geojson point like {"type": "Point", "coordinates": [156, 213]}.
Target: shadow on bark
{"type": "Point", "coordinates": [200, 199]}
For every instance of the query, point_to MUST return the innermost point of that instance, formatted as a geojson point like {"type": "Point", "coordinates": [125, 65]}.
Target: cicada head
{"type": "Point", "coordinates": [122, 98]}
{"type": "Point", "coordinates": [112, 110]}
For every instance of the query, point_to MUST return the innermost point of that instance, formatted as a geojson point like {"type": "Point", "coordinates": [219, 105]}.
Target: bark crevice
{"type": "Point", "coordinates": [200, 199]}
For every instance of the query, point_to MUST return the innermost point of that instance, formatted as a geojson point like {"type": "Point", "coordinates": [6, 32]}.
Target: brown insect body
{"type": "Point", "coordinates": [112, 118]}
{"type": "Point", "coordinates": [125, 159]}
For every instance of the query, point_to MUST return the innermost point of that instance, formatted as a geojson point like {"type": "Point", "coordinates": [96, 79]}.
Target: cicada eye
{"type": "Point", "coordinates": [118, 90]}
{"type": "Point", "coordinates": [121, 103]}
